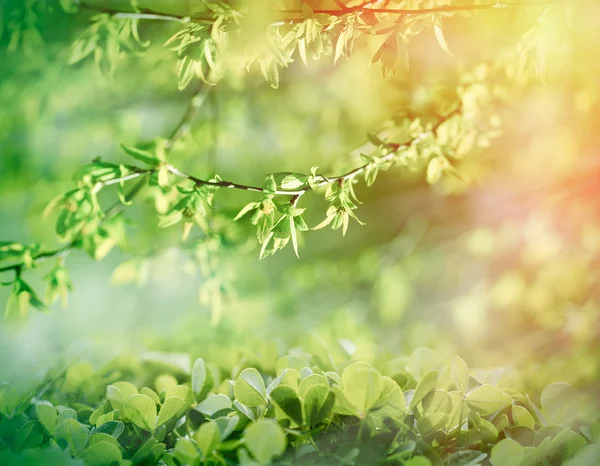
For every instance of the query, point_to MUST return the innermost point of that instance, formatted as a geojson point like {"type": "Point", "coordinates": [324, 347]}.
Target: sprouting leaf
{"type": "Point", "coordinates": [141, 155]}
{"type": "Point", "coordinates": [439, 34]}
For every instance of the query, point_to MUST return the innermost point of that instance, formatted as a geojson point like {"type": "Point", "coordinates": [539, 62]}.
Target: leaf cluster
{"type": "Point", "coordinates": [302, 413]}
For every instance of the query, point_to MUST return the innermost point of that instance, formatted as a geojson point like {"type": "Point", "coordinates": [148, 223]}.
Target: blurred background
{"type": "Point", "coordinates": [498, 265]}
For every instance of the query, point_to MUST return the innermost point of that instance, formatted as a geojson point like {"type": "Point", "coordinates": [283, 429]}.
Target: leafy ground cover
{"type": "Point", "coordinates": [297, 409]}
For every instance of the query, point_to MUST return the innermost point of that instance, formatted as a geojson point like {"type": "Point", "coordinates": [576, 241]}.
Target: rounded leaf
{"type": "Point", "coordinates": [425, 385]}
{"type": "Point", "coordinates": [47, 416]}
{"type": "Point", "coordinates": [507, 452]}
{"type": "Point", "coordinates": [559, 403]}
{"type": "Point", "coordinates": [289, 402]}
{"type": "Point", "coordinates": [522, 417]}
{"type": "Point", "coordinates": [214, 405]}
{"type": "Point", "coordinates": [169, 409]}
{"type": "Point", "coordinates": [141, 411]}
{"type": "Point", "coordinates": [101, 454]}
{"type": "Point", "coordinates": [460, 374]}
{"type": "Point", "coordinates": [72, 435]}
{"type": "Point", "coordinates": [485, 399]}
{"type": "Point", "coordinates": [318, 404]}
{"type": "Point", "coordinates": [265, 440]}
{"type": "Point", "coordinates": [208, 437]}
{"type": "Point", "coordinates": [250, 388]}
{"type": "Point", "coordinates": [362, 385]}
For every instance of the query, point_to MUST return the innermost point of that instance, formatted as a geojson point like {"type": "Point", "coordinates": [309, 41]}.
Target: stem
{"type": "Point", "coordinates": [38, 258]}
{"type": "Point", "coordinates": [358, 9]}
{"type": "Point", "coordinates": [425, 11]}
{"type": "Point", "coordinates": [299, 192]}
{"type": "Point", "coordinates": [177, 133]}
{"type": "Point", "coordinates": [158, 17]}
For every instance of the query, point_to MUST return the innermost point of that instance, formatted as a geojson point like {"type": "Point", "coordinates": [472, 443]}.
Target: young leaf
{"type": "Point", "coordinates": [141, 411]}
{"type": "Point", "coordinates": [141, 155]}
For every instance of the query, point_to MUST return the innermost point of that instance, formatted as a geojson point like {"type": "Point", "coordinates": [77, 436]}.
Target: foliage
{"type": "Point", "coordinates": [466, 125]}
{"type": "Point", "coordinates": [303, 412]}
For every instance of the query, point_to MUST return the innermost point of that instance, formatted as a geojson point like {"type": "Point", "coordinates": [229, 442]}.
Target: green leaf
{"type": "Point", "coordinates": [435, 169]}
{"type": "Point", "coordinates": [118, 392]}
{"type": "Point", "coordinates": [418, 461]}
{"type": "Point", "coordinates": [507, 452]}
{"type": "Point", "coordinates": [208, 437]}
{"type": "Point", "coordinates": [439, 34]}
{"type": "Point", "coordinates": [460, 374]}
{"type": "Point", "coordinates": [169, 409]}
{"type": "Point", "coordinates": [215, 405]}
{"type": "Point", "coordinates": [9, 399]}
{"type": "Point", "coordinates": [318, 404]}
{"type": "Point", "coordinates": [65, 414]}
{"type": "Point", "coordinates": [485, 399]}
{"type": "Point", "coordinates": [437, 401]}
{"type": "Point", "coordinates": [72, 435]}
{"type": "Point", "coordinates": [141, 155]}
{"type": "Point", "coordinates": [141, 411]}
{"type": "Point", "coordinates": [250, 388]}
{"type": "Point", "coordinates": [288, 400]}
{"type": "Point", "coordinates": [186, 452]}
{"type": "Point", "coordinates": [112, 428]}
{"type": "Point", "coordinates": [265, 440]}
{"type": "Point", "coordinates": [151, 393]}
{"type": "Point", "coordinates": [30, 435]}
{"type": "Point", "coordinates": [104, 418]}
{"type": "Point", "coordinates": [522, 417]}
{"type": "Point", "coordinates": [202, 379]}
{"type": "Point", "coordinates": [291, 362]}
{"type": "Point", "coordinates": [362, 386]}
{"type": "Point", "coordinates": [560, 403]}
{"type": "Point", "coordinates": [425, 385]}
{"type": "Point", "coordinates": [466, 458]}
{"type": "Point", "coordinates": [102, 454]}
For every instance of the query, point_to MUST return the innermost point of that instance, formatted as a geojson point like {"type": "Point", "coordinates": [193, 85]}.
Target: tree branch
{"type": "Point", "coordinates": [189, 114]}
{"type": "Point", "coordinates": [182, 128]}
{"type": "Point", "coordinates": [425, 11]}
{"type": "Point", "coordinates": [362, 8]}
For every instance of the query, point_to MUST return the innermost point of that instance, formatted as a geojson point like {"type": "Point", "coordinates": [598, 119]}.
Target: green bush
{"type": "Point", "coordinates": [417, 410]}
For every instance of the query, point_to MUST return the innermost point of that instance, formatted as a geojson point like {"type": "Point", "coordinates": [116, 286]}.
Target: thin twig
{"type": "Point", "coordinates": [295, 193]}
{"type": "Point", "coordinates": [283, 15]}
{"type": "Point", "coordinates": [426, 11]}
{"type": "Point", "coordinates": [182, 128]}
